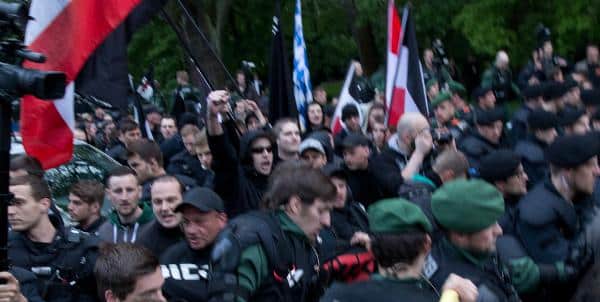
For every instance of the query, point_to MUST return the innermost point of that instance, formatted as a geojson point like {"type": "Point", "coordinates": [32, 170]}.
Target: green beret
{"type": "Point", "coordinates": [397, 215]}
{"type": "Point", "coordinates": [467, 206]}
{"type": "Point", "coordinates": [440, 98]}
{"type": "Point", "coordinates": [456, 87]}
{"type": "Point", "coordinates": [431, 82]}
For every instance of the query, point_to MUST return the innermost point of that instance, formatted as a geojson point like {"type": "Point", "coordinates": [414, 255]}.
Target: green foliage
{"type": "Point", "coordinates": [156, 46]}
{"type": "Point", "coordinates": [476, 28]}
{"type": "Point", "coordinates": [487, 29]}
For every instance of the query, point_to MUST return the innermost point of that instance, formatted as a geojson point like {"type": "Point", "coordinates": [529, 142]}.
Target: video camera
{"type": "Point", "coordinates": [16, 81]}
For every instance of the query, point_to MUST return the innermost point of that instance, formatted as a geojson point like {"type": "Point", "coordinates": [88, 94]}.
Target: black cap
{"type": "Point", "coordinates": [499, 165]}
{"type": "Point", "coordinates": [532, 92]}
{"type": "Point", "coordinates": [590, 97]}
{"type": "Point", "coordinates": [541, 120]}
{"type": "Point", "coordinates": [488, 117]}
{"type": "Point", "coordinates": [202, 199]}
{"type": "Point", "coordinates": [570, 115]}
{"type": "Point", "coordinates": [554, 90]}
{"type": "Point", "coordinates": [571, 151]}
{"type": "Point", "coordinates": [355, 139]}
{"type": "Point", "coordinates": [348, 111]}
{"type": "Point", "coordinates": [480, 92]}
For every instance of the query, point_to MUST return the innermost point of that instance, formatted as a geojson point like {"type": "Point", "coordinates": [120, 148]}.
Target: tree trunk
{"type": "Point", "coordinates": [363, 36]}
{"type": "Point", "coordinates": [212, 29]}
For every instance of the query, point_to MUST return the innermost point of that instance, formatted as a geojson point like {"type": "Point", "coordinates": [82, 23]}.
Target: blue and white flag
{"type": "Point", "coordinates": [301, 75]}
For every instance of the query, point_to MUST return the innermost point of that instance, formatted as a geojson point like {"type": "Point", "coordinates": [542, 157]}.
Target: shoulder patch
{"type": "Point", "coordinates": [430, 267]}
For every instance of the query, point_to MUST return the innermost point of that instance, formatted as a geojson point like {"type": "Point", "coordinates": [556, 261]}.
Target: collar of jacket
{"type": "Point", "coordinates": [479, 259]}
{"type": "Point", "coordinates": [289, 226]}
{"type": "Point", "coordinates": [146, 216]}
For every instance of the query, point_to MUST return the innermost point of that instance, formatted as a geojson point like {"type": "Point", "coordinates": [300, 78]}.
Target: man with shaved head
{"type": "Point", "coordinates": [499, 78]}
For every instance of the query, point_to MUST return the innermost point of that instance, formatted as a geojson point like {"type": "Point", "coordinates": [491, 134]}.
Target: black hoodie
{"type": "Point", "coordinates": [236, 180]}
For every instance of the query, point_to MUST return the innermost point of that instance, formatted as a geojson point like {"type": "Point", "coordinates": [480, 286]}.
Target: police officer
{"type": "Point", "coordinates": [574, 121]}
{"type": "Point", "coordinates": [469, 245]}
{"type": "Point", "coordinates": [503, 169]}
{"type": "Point", "coordinates": [400, 243]}
{"type": "Point", "coordinates": [552, 217]}
{"type": "Point", "coordinates": [462, 108]}
{"type": "Point", "coordinates": [444, 116]}
{"type": "Point", "coordinates": [61, 258]}
{"type": "Point", "coordinates": [532, 99]}
{"type": "Point", "coordinates": [541, 133]}
{"type": "Point", "coordinates": [485, 137]}
{"type": "Point", "coordinates": [185, 265]}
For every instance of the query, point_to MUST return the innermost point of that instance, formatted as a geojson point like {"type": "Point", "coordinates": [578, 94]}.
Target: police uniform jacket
{"type": "Point", "coordinates": [487, 272]}
{"type": "Point", "coordinates": [531, 151]}
{"type": "Point", "coordinates": [547, 223]}
{"type": "Point", "coordinates": [475, 147]}
{"type": "Point", "coordinates": [382, 289]}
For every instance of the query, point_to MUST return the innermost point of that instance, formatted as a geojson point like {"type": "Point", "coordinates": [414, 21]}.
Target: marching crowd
{"type": "Point", "coordinates": [478, 202]}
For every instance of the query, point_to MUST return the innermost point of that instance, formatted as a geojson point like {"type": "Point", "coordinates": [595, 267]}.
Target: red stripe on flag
{"type": "Point", "coordinates": [46, 135]}
{"type": "Point", "coordinates": [67, 42]}
{"type": "Point", "coordinates": [74, 34]}
{"type": "Point", "coordinates": [395, 29]}
{"type": "Point", "coordinates": [396, 110]}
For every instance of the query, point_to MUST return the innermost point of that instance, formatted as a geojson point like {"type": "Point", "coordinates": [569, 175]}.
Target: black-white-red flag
{"type": "Point", "coordinates": [408, 92]}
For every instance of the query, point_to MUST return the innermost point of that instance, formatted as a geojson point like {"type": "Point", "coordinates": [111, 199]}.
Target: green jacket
{"type": "Point", "coordinates": [253, 269]}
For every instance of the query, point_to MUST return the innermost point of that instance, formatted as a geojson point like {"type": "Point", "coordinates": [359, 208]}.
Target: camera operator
{"type": "Point", "coordinates": [499, 78]}
{"type": "Point", "coordinates": [436, 64]}
{"type": "Point", "coordinates": [545, 52]}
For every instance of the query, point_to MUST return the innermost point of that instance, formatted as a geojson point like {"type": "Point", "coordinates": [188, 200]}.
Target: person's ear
{"type": "Point", "coordinates": [294, 205]}
{"type": "Point", "coordinates": [45, 203]}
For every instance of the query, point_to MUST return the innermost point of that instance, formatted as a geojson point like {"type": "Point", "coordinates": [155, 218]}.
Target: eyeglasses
{"type": "Point", "coordinates": [259, 150]}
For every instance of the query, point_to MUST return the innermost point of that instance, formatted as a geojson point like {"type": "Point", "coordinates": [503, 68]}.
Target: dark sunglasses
{"type": "Point", "coordinates": [260, 150]}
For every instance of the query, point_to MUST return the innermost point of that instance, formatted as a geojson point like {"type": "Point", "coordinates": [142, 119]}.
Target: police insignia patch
{"type": "Point", "coordinates": [430, 267]}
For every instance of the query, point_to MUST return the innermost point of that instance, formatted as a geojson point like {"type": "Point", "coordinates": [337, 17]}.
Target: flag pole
{"type": "Point", "coordinates": [194, 60]}
{"type": "Point", "coordinates": [207, 44]}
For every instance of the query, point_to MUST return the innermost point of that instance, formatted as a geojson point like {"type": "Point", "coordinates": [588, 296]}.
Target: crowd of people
{"type": "Point", "coordinates": [477, 202]}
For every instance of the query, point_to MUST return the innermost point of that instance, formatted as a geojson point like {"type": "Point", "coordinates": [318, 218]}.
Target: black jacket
{"type": "Point", "coordinates": [170, 147]}
{"type": "Point", "coordinates": [475, 146]}
{"type": "Point", "coordinates": [531, 151]}
{"type": "Point", "coordinates": [187, 273]}
{"type": "Point", "coordinates": [488, 274]}
{"type": "Point", "coordinates": [547, 224]}
{"type": "Point", "coordinates": [186, 164]}
{"type": "Point", "coordinates": [236, 181]}
{"type": "Point", "coordinates": [382, 289]}
{"type": "Point", "coordinates": [71, 255]}
{"type": "Point", "coordinates": [157, 238]}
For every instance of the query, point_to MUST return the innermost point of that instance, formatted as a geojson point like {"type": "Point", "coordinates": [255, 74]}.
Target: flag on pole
{"type": "Point", "coordinates": [281, 103]}
{"type": "Point", "coordinates": [67, 32]}
{"type": "Point", "coordinates": [301, 76]}
{"type": "Point", "coordinates": [345, 98]}
{"type": "Point", "coordinates": [408, 93]}
{"type": "Point", "coordinates": [393, 44]}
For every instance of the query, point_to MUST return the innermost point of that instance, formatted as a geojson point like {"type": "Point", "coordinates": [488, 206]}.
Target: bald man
{"type": "Point", "coordinates": [408, 152]}
{"type": "Point", "coordinates": [499, 78]}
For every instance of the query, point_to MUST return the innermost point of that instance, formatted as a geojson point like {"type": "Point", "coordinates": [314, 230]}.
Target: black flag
{"type": "Point", "coordinates": [281, 102]}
